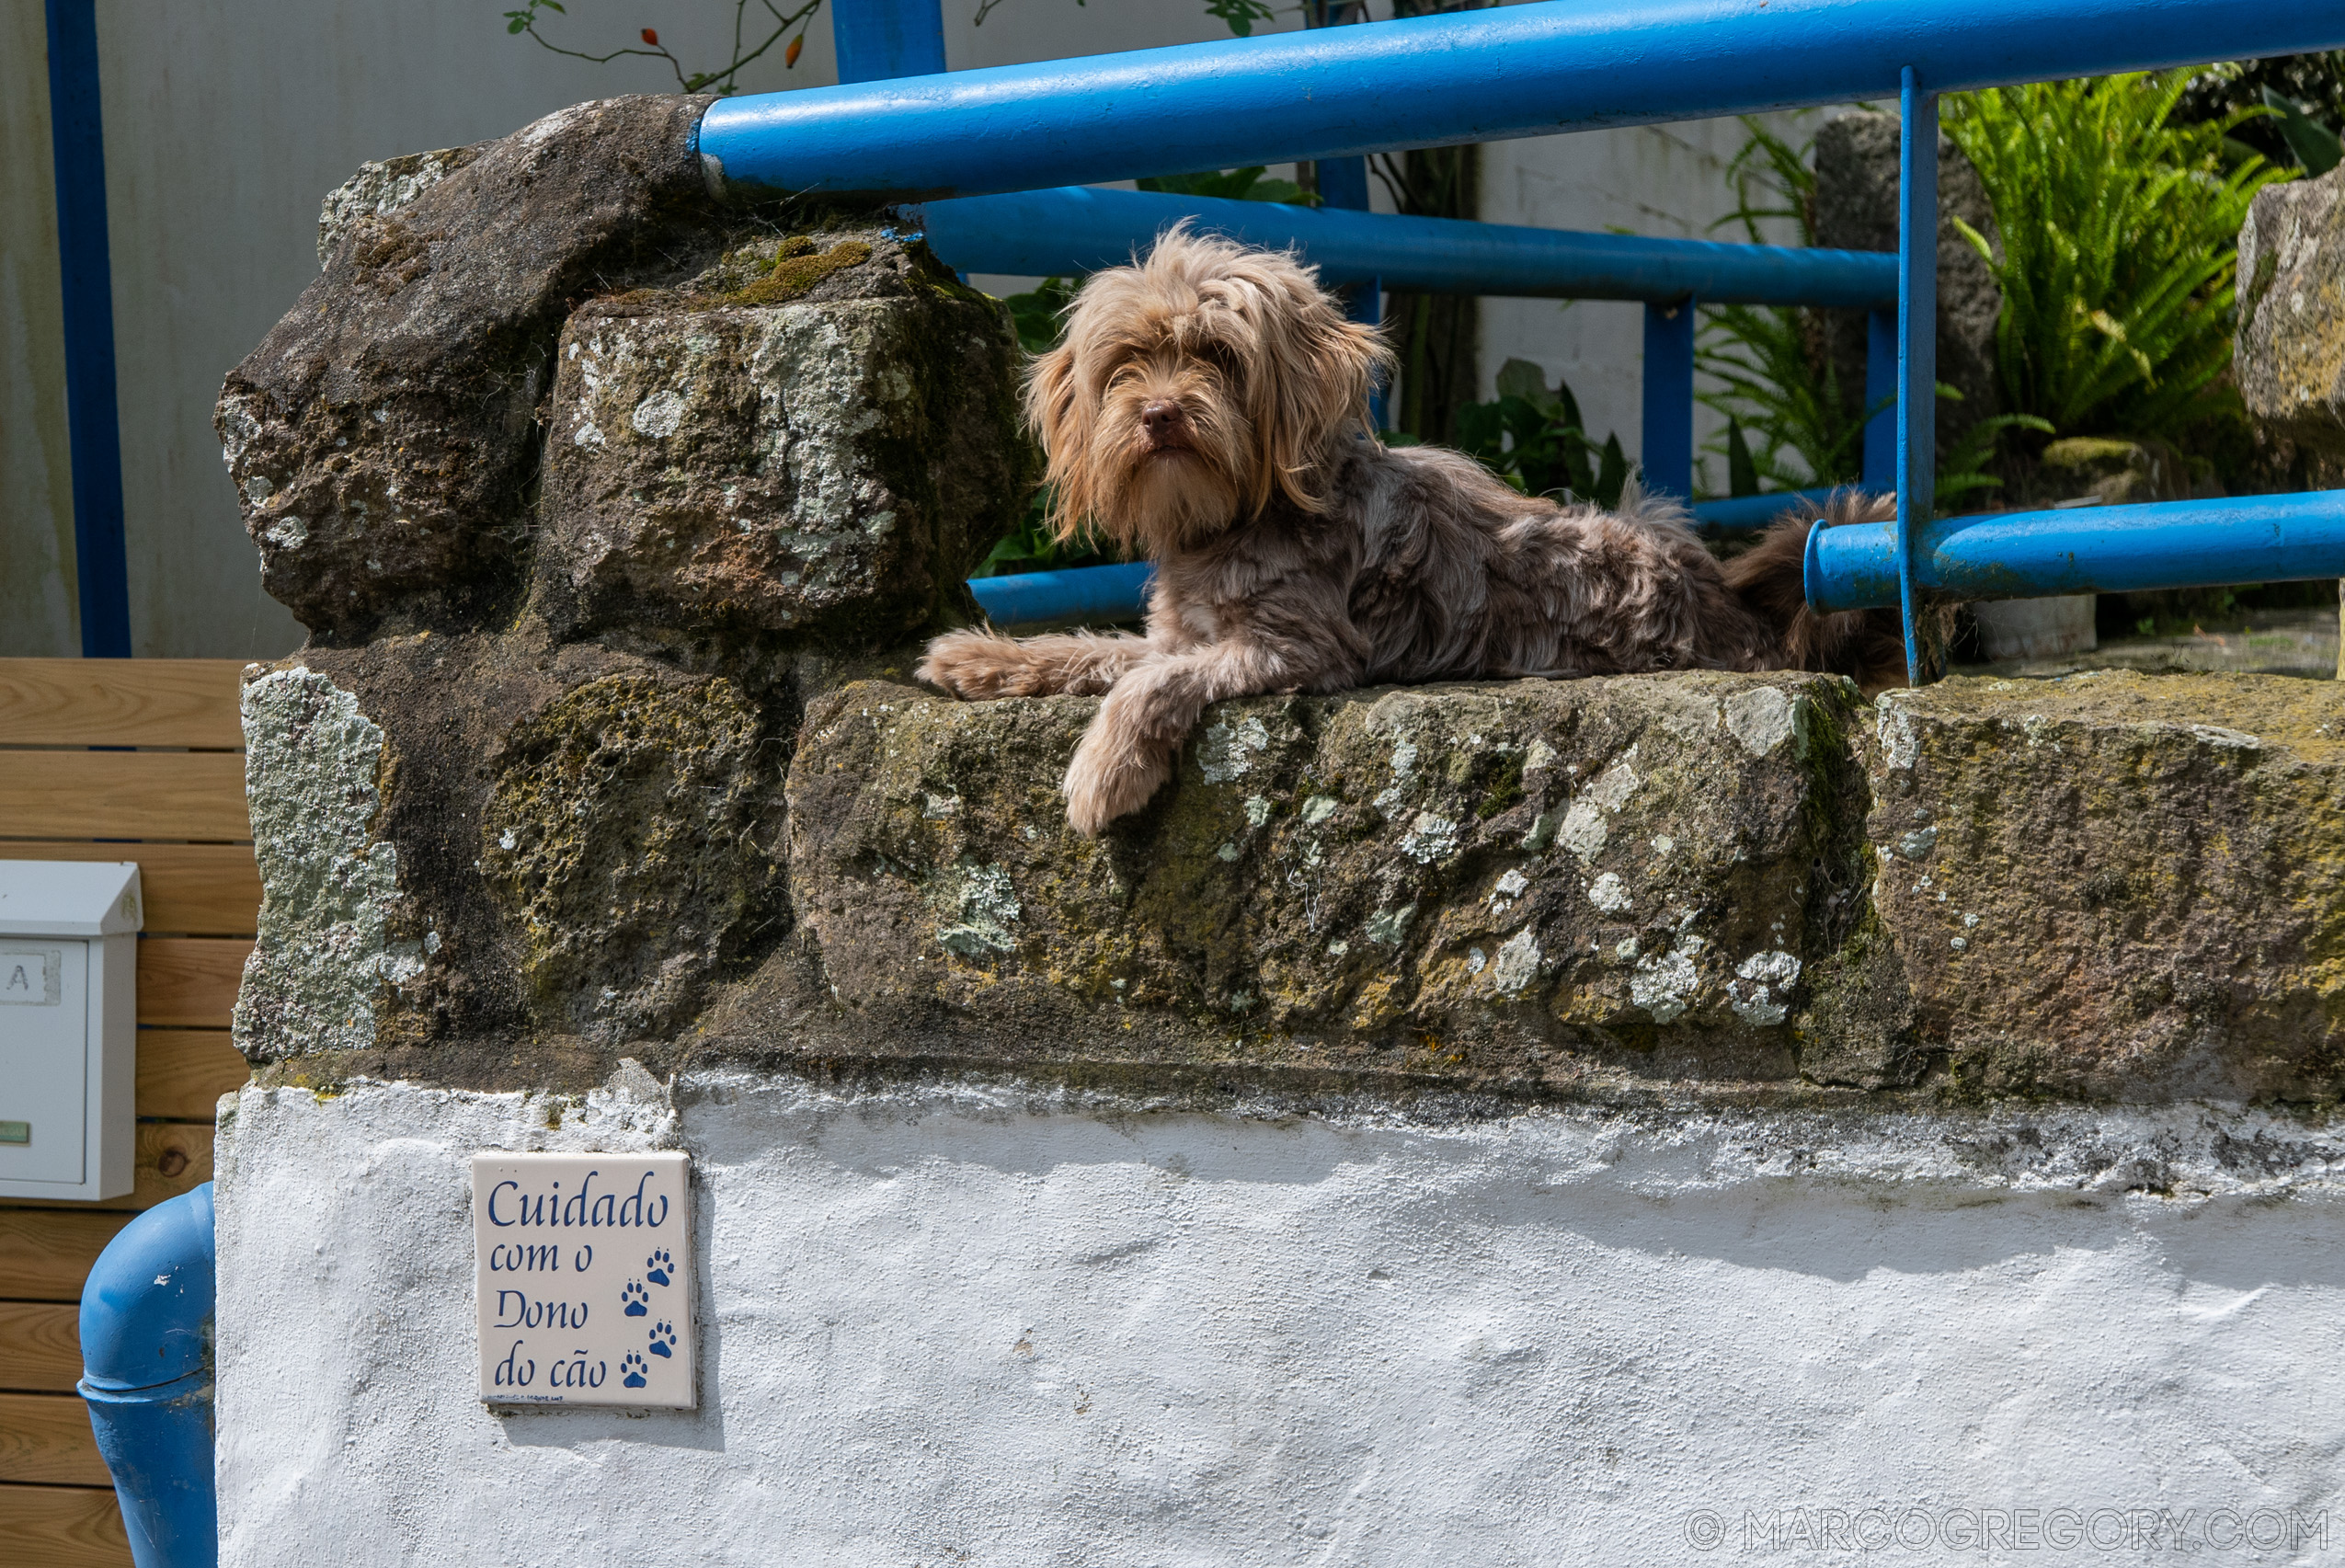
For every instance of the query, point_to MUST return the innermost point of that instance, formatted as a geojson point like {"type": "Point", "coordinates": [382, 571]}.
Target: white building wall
{"type": "Point", "coordinates": [226, 120]}
{"type": "Point", "coordinates": [1666, 180]}
{"type": "Point", "coordinates": [987, 1327]}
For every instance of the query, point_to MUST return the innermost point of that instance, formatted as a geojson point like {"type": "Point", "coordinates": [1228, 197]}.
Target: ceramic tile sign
{"type": "Point", "coordinates": [583, 1270]}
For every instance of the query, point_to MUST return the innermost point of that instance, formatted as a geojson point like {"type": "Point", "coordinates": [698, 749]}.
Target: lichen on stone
{"type": "Point", "coordinates": [822, 468]}
{"type": "Point", "coordinates": [1361, 869]}
{"type": "Point", "coordinates": [313, 768]}
{"type": "Point", "coordinates": [983, 907]}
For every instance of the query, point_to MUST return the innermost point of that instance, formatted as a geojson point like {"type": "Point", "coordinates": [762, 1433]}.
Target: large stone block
{"type": "Point", "coordinates": [632, 837]}
{"type": "Point", "coordinates": [379, 189]}
{"type": "Point", "coordinates": [2118, 885]}
{"type": "Point", "coordinates": [384, 436]}
{"type": "Point", "coordinates": [1856, 208]}
{"type": "Point", "coordinates": [743, 457]}
{"type": "Point", "coordinates": [2291, 352]}
{"type": "Point", "coordinates": [476, 845]}
{"type": "Point", "coordinates": [1559, 883]}
{"type": "Point", "coordinates": [336, 942]}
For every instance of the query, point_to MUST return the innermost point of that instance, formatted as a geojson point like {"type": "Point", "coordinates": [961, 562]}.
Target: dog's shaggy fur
{"type": "Point", "coordinates": [1209, 408]}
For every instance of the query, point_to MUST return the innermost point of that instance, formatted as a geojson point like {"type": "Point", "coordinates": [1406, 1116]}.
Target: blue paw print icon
{"type": "Point", "coordinates": [663, 1339]}
{"type": "Point", "coordinates": [656, 1267]}
{"type": "Point", "coordinates": [634, 1296]}
{"type": "Point", "coordinates": [632, 1367]}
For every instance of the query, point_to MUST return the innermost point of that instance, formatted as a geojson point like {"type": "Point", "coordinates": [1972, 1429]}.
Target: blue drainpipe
{"type": "Point", "coordinates": [146, 1372]}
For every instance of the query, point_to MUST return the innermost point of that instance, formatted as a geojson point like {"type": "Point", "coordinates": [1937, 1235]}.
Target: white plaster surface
{"type": "Point", "coordinates": [983, 1325]}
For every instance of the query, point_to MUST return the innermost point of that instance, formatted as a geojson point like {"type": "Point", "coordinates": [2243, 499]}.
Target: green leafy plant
{"type": "Point", "coordinates": [2315, 145]}
{"type": "Point", "coordinates": [1239, 15]}
{"type": "Point", "coordinates": [1769, 384]}
{"type": "Point", "coordinates": [1789, 425]}
{"type": "Point", "coordinates": [1535, 439]}
{"type": "Point", "coordinates": [1040, 317]}
{"type": "Point", "coordinates": [2314, 83]}
{"type": "Point", "coordinates": [2120, 235]}
{"type": "Point", "coordinates": [1967, 466]}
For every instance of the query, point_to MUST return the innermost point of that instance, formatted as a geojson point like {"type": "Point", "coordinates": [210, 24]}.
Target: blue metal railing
{"type": "Point", "coordinates": [1563, 65]}
{"type": "Point", "coordinates": [1077, 229]}
{"type": "Point", "coordinates": [1514, 71]}
{"type": "Point", "coordinates": [2084, 550]}
{"type": "Point", "coordinates": [1101, 594]}
{"type": "Point", "coordinates": [1081, 229]}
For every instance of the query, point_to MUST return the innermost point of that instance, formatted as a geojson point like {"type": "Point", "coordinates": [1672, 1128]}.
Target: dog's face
{"type": "Point", "coordinates": [1192, 388]}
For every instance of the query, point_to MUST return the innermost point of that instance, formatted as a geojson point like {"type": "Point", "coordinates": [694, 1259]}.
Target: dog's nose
{"type": "Point", "coordinates": [1160, 419]}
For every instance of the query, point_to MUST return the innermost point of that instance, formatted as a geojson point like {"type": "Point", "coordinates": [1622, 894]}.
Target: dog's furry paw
{"type": "Point", "coordinates": [975, 666]}
{"type": "Point", "coordinates": [1111, 776]}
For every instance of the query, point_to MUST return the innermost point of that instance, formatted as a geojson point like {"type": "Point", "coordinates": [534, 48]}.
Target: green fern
{"type": "Point", "coordinates": [1781, 397]}
{"type": "Point", "coordinates": [1797, 429]}
{"type": "Point", "coordinates": [2120, 238]}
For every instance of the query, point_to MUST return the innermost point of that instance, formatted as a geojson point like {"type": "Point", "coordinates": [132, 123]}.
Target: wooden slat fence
{"type": "Point", "coordinates": [66, 782]}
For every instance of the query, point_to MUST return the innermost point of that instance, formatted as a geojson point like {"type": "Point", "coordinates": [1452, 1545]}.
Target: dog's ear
{"type": "Point", "coordinates": [1061, 420]}
{"type": "Point", "coordinates": [1310, 390]}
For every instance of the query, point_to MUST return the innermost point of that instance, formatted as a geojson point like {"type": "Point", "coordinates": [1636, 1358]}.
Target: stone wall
{"type": "Point", "coordinates": [620, 755]}
{"type": "Point", "coordinates": [2289, 358]}
{"type": "Point", "coordinates": [581, 486]}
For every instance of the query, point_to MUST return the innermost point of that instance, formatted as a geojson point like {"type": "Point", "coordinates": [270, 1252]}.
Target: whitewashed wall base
{"type": "Point", "coordinates": [1000, 1326]}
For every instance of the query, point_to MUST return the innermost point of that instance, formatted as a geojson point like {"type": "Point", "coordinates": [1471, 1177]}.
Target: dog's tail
{"type": "Point", "coordinates": [1866, 645]}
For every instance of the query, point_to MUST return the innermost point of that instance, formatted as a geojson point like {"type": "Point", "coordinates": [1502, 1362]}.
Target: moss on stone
{"type": "Point", "coordinates": [632, 837]}
{"type": "Point", "coordinates": [2118, 885]}
{"type": "Point", "coordinates": [796, 270]}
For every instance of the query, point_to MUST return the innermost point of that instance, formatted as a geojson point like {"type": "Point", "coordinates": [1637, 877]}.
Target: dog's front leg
{"type": "Point", "coordinates": [976, 665]}
{"type": "Point", "coordinates": [1126, 754]}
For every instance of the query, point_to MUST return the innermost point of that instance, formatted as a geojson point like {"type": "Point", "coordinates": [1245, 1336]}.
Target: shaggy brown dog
{"type": "Point", "coordinates": [1210, 406]}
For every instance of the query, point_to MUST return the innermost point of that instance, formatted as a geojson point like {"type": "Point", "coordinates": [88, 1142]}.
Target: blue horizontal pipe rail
{"type": "Point", "coordinates": [147, 1375]}
{"type": "Point", "coordinates": [2040, 555]}
{"type": "Point", "coordinates": [1102, 595]}
{"type": "Point", "coordinates": [1511, 71]}
{"type": "Point", "coordinates": [1097, 594]}
{"type": "Point", "coordinates": [1077, 229]}
{"type": "Point", "coordinates": [1743, 512]}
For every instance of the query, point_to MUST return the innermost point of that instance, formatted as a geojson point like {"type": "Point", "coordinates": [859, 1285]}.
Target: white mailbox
{"type": "Point", "coordinates": [68, 1027]}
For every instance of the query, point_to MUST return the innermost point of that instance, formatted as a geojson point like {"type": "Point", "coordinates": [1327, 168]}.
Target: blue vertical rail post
{"type": "Point", "coordinates": [1343, 185]}
{"type": "Point", "coordinates": [1879, 468]}
{"type": "Point", "coordinates": [77, 148]}
{"type": "Point", "coordinates": [1916, 341]}
{"type": "Point", "coordinates": [1667, 440]}
{"type": "Point", "coordinates": [880, 39]}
